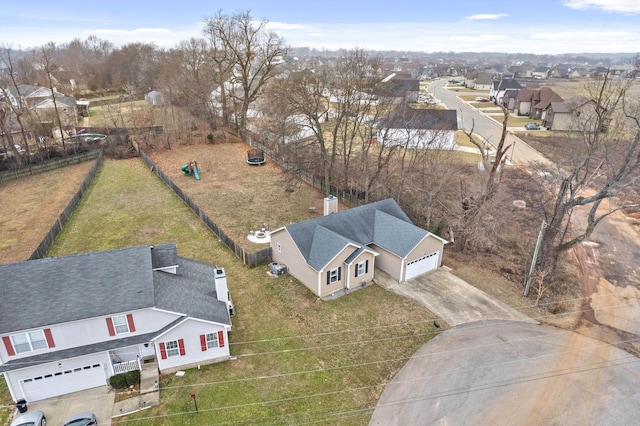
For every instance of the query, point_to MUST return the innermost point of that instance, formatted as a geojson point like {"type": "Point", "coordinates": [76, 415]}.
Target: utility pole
{"type": "Point", "coordinates": [535, 259]}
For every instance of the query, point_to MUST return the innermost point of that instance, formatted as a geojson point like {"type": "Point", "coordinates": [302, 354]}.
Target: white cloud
{"type": "Point", "coordinates": [278, 26]}
{"type": "Point", "coordinates": [485, 16]}
{"type": "Point", "coordinates": [620, 6]}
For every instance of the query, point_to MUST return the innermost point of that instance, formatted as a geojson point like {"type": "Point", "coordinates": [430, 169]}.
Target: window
{"type": "Point", "coordinates": [362, 268]}
{"type": "Point", "coordinates": [172, 348]}
{"type": "Point", "coordinates": [333, 275]}
{"type": "Point", "coordinates": [212, 340]}
{"type": "Point", "coordinates": [27, 342]}
{"type": "Point", "coordinates": [120, 324]}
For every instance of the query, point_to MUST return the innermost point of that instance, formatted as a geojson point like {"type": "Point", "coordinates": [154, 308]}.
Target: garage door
{"type": "Point", "coordinates": [63, 381]}
{"type": "Point", "coordinates": [426, 263]}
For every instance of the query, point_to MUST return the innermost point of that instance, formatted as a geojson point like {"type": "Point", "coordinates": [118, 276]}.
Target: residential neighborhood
{"type": "Point", "coordinates": [235, 230]}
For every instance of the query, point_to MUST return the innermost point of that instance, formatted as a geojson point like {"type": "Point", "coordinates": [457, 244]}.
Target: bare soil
{"type": "Point", "coordinates": [31, 205]}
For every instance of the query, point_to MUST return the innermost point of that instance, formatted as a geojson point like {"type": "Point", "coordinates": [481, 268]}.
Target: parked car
{"type": "Point", "coordinates": [33, 418]}
{"type": "Point", "coordinates": [531, 126]}
{"type": "Point", "coordinates": [479, 99]}
{"type": "Point", "coordinates": [82, 419]}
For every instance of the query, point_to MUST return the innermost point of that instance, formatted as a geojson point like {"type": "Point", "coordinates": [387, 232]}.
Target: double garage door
{"type": "Point", "coordinates": [63, 381]}
{"type": "Point", "coordinates": [417, 267]}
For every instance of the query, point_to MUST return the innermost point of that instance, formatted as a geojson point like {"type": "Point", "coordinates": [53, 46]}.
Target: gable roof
{"type": "Point", "coordinates": [405, 117]}
{"type": "Point", "coordinates": [382, 223]}
{"type": "Point", "coordinates": [82, 286]}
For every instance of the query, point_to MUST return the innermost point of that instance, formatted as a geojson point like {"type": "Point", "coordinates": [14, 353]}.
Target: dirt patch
{"type": "Point", "coordinates": [31, 205]}
{"type": "Point", "coordinates": [237, 196]}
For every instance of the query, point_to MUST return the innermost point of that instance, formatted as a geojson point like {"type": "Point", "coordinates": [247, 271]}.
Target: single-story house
{"type": "Point", "coordinates": [69, 323]}
{"type": "Point", "coordinates": [569, 115]}
{"type": "Point", "coordinates": [339, 251]}
{"type": "Point", "coordinates": [418, 128]}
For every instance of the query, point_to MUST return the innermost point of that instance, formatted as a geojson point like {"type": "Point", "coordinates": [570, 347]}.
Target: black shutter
{"type": "Point", "coordinates": [339, 271]}
{"type": "Point", "coordinates": [366, 266]}
{"type": "Point", "coordinates": [328, 277]}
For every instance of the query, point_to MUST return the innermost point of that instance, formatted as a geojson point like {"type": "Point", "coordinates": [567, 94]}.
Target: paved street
{"type": "Point", "coordinates": [513, 373]}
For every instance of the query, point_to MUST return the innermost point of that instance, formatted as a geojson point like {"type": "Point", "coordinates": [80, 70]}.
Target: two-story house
{"type": "Point", "coordinates": [69, 323]}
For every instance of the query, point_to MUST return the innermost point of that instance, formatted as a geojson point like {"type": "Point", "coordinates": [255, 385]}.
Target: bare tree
{"type": "Point", "coordinates": [606, 162]}
{"type": "Point", "coordinates": [252, 50]}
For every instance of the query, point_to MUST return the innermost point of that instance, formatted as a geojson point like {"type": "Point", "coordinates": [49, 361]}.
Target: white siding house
{"type": "Point", "coordinates": [70, 323]}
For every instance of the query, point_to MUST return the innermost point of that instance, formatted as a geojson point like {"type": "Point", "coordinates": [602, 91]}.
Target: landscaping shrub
{"type": "Point", "coordinates": [132, 377]}
{"type": "Point", "coordinates": [124, 380]}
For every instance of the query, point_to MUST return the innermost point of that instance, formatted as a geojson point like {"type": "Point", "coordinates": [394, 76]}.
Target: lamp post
{"type": "Point", "coordinates": [193, 395]}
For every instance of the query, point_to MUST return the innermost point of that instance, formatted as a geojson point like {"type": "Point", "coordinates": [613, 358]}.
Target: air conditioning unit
{"type": "Point", "coordinates": [277, 268]}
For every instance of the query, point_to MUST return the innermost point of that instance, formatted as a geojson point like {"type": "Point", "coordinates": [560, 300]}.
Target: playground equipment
{"type": "Point", "coordinates": [191, 169]}
{"type": "Point", "coordinates": [255, 157]}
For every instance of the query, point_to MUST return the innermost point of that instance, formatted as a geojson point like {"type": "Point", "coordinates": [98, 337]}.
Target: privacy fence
{"type": "Point", "coordinates": [352, 198]}
{"type": "Point", "coordinates": [71, 206]}
{"type": "Point", "coordinates": [47, 166]}
{"type": "Point", "coordinates": [250, 259]}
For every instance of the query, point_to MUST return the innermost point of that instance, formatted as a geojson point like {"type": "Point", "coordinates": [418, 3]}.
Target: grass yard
{"type": "Point", "coordinates": [237, 196]}
{"type": "Point", "coordinates": [31, 205]}
{"type": "Point", "coordinates": [299, 360]}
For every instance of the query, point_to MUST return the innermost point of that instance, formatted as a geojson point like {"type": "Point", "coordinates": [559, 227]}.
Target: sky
{"type": "Point", "coordinates": [539, 26]}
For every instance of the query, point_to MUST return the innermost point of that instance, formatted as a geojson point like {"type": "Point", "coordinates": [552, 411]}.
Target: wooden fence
{"type": "Point", "coordinates": [48, 240]}
{"type": "Point", "coordinates": [250, 259]}
{"type": "Point", "coordinates": [47, 166]}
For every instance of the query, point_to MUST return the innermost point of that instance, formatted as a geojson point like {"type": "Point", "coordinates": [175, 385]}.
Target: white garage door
{"type": "Point", "coordinates": [63, 381]}
{"type": "Point", "coordinates": [420, 266]}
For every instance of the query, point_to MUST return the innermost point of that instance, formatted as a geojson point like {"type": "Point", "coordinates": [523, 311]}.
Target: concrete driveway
{"type": "Point", "coordinates": [513, 373]}
{"type": "Point", "coordinates": [97, 400]}
{"type": "Point", "coordinates": [452, 299]}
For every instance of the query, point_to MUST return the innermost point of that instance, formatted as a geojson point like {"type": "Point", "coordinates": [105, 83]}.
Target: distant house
{"type": "Point", "coordinates": [535, 102]}
{"type": "Point", "coordinates": [418, 128]}
{"type": "Point", "coordinates": [566, 115]}
{"type": "Point", "coordinates": [479, 80]}
{"type": "Point", "coordinates": [509, 99]}
{"type": "Point", "coordinates": [154, 98]}
{"type": "Point", "coordinates": [69, 323]}
{"type": "Point", "coordinates": [339, 252]}
{"type": "Point", "coordinates": [541, 73]}
{"type": "Point", "coordinates": [399, 88]}
{"type": "Point", "coordinates": [499, 87]}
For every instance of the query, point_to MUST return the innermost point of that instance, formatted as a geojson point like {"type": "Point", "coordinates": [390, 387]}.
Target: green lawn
{"type": "Point", "coordinates": [298, 360]}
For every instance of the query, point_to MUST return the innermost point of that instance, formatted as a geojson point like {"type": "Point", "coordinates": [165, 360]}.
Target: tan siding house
{"type": "Point", "coordinates": [338, 252]}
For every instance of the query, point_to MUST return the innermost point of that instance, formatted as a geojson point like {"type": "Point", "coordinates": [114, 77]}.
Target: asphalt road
{"type": "Point", "coordinates": [469, 117]}
{"type": "Point", "coordinates": [513, 373]}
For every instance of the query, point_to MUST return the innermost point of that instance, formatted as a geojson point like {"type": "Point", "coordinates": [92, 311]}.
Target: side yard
{"type": "Point", "coordinates": [298, 360]}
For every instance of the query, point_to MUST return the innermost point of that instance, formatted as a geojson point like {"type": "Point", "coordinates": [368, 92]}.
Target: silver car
{"type": "Point", "coordinates": [82, 419]}
{"type": "Point", "coordinates": [33, 418]}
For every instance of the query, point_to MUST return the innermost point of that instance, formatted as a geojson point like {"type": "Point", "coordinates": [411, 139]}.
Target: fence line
{"type": "Point", "coordinates": [250, 259]}
{"type": "Point", "coordinates": [350, 198]}
{"type": "Point", "coordinates": [48, 240]}
{"type": "Point", "coordinates": [47, 166]}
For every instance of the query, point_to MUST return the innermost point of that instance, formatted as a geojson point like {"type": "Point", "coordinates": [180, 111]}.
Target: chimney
{"type": "Point", "coordinates": [220, 281]}
{"type": "Point", "coordinates": [330, 205]}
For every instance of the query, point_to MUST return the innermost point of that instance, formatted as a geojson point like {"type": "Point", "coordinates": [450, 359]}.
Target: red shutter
{"type": "Point", "coordinates": [132, 326]}
{"type": "Point", "coordinates": [163, 351]}
{"type": "Point", "coordinates": [8, 345]}
{"type": "Point", "coordinates": [181, 346]}
{"type": "Point", "coordinates": [49, 337]}
{"type": "Point", "coordinates": [220, 339]}
{"type": "Point", "coordinates": [112, 330]}
{"type": "Point", "coordinates": [203, 342]}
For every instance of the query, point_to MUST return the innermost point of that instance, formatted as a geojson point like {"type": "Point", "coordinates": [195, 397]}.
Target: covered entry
{"type": "Point", "coordinates": [426, 263]}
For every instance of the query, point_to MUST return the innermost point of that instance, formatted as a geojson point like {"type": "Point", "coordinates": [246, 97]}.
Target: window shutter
{"type": "Point", "coordinates": [132, 326]}
{"type": "Point", "coordinates": [181, 346]}
{"type": "Point", "coordinates": [355, 274]}
{"type": "Point", "coordinates": [328, 277]}
{"type": "Point", "coordinates": [8, 345]}
{"type": "Point", "coordinates": [163, 351]}
{"type": "Point", "coordinates": [220, 339]}
{"type": "Point", "coordinates": [112, 330]}
{"type": "Point", "coordinates": [366, 266]}
{"type": "Point", "coordinates": [49, 337]}
{"type": "Point", "coordinates": [203, 342]}
{"type": "Point", "coordinates": [339, 271]}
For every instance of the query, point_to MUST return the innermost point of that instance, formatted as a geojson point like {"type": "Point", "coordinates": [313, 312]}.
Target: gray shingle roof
{"type": "Point", "coordinates": [190, 292]}
{"type": "Point", "coordinates": [382, 223]}
{"type": "Point", "coordinates": [41, 292]}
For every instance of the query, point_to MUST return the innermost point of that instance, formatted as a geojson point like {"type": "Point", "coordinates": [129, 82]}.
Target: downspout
{"type": "Point", "coordinates": [404, 259]}
{"type": "Point", "coordinates": [319, 284]}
